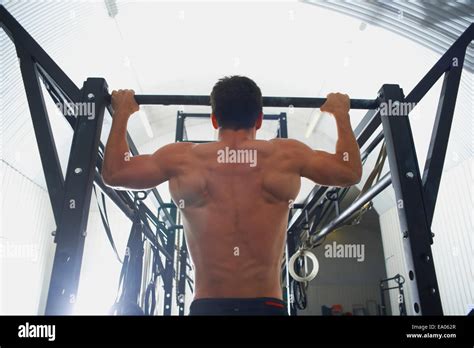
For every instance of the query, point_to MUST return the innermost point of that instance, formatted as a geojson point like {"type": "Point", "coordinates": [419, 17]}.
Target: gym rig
{"type": "Point", "coordinates": [418, 191]}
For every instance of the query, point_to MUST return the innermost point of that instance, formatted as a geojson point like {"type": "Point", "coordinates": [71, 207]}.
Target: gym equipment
{"type": "Point", "coordinates": [303, 253]}
{"type": "Point", "coordinates": [384, 286]}
{"type": "Point", "coordinates": [295, 102]}
{"type": "Point", "coordinates": [417, 191]}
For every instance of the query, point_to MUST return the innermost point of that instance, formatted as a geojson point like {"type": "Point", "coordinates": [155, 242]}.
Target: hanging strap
{"type": "Point", "coordinates": [374, 176]}
{"type": "Point", "coordinates": [105, 221]}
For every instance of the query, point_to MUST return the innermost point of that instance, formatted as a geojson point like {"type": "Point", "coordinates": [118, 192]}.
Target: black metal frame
{"type": "Point", "coordinates": [72, 228]}
{"type": "Point", "coordinates": [70, 198]}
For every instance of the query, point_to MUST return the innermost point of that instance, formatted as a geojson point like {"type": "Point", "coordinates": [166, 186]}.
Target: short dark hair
{"type": "Point", "coordinates": [236, 102]}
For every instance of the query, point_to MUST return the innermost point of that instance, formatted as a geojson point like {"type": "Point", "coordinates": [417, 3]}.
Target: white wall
{"type": "Point", "coordinates": [346, 281]}
{"type": "Point", "coordinates": [26, 244]}
{"type": "Point", "coordinates": [453, 242]}
{"type": "Point", "coordinates": [453, 248]}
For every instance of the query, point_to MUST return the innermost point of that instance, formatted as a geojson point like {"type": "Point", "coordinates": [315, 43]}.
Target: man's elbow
{"type": "Point", "coordinates": [352, 177]}
{"type": "Point", "coordinates": [355, 179]}
{"type": "Point", "coordinates": [110, 180]}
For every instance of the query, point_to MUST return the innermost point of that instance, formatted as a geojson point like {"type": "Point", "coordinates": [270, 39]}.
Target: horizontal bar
{"type": "Point", "coordinates": [297, 102]}
{"type": "Point", "coordinates": [346, 214]}
{"type": "Point", "coordinates": [269, 117]}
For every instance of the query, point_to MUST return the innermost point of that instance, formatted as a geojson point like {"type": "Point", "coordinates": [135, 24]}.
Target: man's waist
{"type": "Point", "coordinates": [238, 306]}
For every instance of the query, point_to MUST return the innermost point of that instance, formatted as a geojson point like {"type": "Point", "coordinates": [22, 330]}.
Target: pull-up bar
{"type": "Point", "coordinates": [297, 102]}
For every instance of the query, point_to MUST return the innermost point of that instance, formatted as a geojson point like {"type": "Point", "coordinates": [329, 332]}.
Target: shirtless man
{"type": "Point", "coordinates": [235, 215]}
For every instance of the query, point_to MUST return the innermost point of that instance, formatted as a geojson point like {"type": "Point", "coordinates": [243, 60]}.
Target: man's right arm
{"type": "Point", "coordinates": [343, 168]}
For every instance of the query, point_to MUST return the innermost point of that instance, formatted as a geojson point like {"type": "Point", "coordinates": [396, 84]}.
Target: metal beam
{"type": "Point", "coordinates": [296, 102]}
{"type": "Point", "coordinates": [169, 273]}
{"type": "Point", "coordinates": [57, 95]}
{"type": "Point", "coordinates": [181, 286]}
{"type": "Point", "coordinates": [43, 133]}
{"type": "Point", "coordinates": [440, 137]}
{"type": "Point", "coordinates": [182, 254]}
{"type": "Point", "coordinates": [408, 189]}
{"type": "Point", "coordinates": [442, 65]}
{"type": "Point", "coordinates": [283, 128]}
{"type": "Point", "coordinates": [25, 41]}
{"type": "Point", "coordinates": [351, 209]}
{"type": "Point", "coordinates": [71, 232]}
{"type": "Point", "coordinates": [275, 117]}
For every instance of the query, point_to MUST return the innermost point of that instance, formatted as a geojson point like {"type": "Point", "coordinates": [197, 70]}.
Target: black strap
{"type": "Point", "coordinates": [125, 302]}
{"type": "Point", "coordinates": [105, 221]}
{"type": "Point", "coordinates": [150, 293]}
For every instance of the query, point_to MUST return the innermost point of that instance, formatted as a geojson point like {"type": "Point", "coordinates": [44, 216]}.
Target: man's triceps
{"type": "Point", "coordinates": [146, 171]}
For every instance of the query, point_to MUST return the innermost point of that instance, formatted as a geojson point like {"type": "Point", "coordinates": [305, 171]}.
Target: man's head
{"type": "Point", "coordinates": [236, 103]}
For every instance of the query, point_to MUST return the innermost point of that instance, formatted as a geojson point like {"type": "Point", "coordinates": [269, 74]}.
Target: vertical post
{"type": "Point", "coordinates": [406, 182]}
{"type": "Point", "coordinates": [290, 238]}
{"type": "Point", "coordinates": [168, 276]}
{"type": "Point", "coordinates": [183, 252]}
{"type": "Point", "coordinates": [290, 250]}
{"type": "Point", "coordinates": [179, 127]}
{"type": "Point", "coordinates": [283, 130]}
{"type": "Point", "coordinates": [71, 232]}
{"type": "Point", "coordinates": [183, 255]}
{"type": "Point", "coordinates": [44, 135]}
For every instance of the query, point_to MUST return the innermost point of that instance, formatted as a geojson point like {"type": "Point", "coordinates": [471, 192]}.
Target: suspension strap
{"type": "Point", "coordinates": [105, 221]}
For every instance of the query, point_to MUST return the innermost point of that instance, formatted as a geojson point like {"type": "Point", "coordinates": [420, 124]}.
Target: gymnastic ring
{"type": "Point", "coordinates": [314, 271]}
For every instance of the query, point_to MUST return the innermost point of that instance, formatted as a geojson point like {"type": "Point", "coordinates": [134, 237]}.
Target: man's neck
{"type": "Point", "coordinates": [236, 136]}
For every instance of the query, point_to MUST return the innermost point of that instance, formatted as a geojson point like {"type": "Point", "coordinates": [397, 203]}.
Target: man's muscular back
{"type": "Point", "coordinates": [235, 216]}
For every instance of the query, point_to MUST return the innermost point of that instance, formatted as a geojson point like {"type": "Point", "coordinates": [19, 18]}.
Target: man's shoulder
{"type": "Point", "coordinates": [178, 146]}
{"type": "Point", "coordinates": [174, 150]}
{"type": "Point", "coordinates": [287, 143]}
